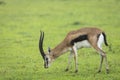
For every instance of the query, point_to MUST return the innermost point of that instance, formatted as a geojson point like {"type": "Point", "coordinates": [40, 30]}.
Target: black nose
{"type": "Point", "coordinates": [45, 65]}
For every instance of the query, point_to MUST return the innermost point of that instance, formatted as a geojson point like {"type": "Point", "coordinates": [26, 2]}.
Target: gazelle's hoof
{"type": "Point", "coordinates": [66, 69]}
{"type": "Point", "coordinates": [107, 71]}
{"type": "Point", "coordinates": [76, 71]}
{"type": "Point", "coordinates": [98, 71]}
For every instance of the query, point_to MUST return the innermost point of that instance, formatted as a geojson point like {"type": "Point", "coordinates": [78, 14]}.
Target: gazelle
{"type": "Point", "coordinates": [85, 37]}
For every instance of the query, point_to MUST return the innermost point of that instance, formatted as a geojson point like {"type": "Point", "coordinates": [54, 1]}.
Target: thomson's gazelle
{"type": "Point", "coordinates": [84, 37]}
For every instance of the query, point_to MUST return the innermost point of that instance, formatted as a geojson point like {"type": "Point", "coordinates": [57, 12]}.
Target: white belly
{"type": "Point", "coordinates": [81, 44]}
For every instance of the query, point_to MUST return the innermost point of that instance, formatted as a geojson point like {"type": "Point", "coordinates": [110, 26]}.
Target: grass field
{"type": "Point", "coordinates": [20, 25]}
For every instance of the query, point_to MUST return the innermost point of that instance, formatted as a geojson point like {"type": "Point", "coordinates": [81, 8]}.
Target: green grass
{"type": "Point", "coordinates": [20, 25]}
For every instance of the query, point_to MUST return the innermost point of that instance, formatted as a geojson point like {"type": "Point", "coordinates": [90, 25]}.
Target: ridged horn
{"type": "Point", "coordinates": [41, 45]}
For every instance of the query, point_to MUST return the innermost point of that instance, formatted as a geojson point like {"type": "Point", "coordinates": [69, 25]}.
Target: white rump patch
{"type": "Point", "coordinates": [100, 41]}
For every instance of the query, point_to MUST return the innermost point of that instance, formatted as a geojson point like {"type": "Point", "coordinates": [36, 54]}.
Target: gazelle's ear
{"type": "Point", "coordinates": [49, 50]}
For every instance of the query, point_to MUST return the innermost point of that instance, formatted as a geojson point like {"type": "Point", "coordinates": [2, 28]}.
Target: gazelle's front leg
{"type": "Point", "coordinates": [69, 60]}
{"type": "Point", "coordinates": [75, 58]}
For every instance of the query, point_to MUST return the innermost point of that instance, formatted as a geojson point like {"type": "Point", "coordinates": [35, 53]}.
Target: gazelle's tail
{"type": "Point", "coordinates": [105, 39]}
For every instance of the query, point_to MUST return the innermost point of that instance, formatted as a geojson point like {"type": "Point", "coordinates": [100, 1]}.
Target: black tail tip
{"type": "Point", "coordinates": [105, 39]}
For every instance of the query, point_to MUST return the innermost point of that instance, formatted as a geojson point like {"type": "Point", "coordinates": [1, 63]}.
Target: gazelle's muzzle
{"type": "Point", "coordinates": [46, 62]}
{"type": "Point", "coordinates": [45, 66]}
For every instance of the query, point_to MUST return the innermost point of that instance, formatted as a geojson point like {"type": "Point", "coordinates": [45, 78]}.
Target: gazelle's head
{"type": "Point", "coordinates": [46, 56]}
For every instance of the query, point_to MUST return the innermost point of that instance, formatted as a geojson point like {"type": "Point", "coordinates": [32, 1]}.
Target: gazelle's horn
{"type": "Point", "coordinates": [41, 45]}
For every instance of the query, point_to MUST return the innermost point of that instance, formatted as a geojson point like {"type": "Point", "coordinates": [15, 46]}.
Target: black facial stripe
{"type": "Point", "coordinates": [79, 38]}
{"type": "Point", "coordinates": [47, 61]}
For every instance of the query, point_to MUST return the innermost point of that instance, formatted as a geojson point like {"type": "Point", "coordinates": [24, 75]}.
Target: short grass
{"type": "Point", "coordinates": [20, 25]}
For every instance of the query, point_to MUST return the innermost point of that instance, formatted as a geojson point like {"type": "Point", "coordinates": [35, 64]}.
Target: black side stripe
{"type": "Point", "coordinates": [79, 38]}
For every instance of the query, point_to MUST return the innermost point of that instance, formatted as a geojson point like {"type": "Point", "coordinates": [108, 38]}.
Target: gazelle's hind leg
{"type": "Point", "coordinates": [96, 43]}
{"type": "Point", "coordinates": [103, 56]}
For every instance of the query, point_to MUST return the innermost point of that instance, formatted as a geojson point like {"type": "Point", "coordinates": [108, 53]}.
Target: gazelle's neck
{"type": "Point", "coordinates": [59, 49]}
